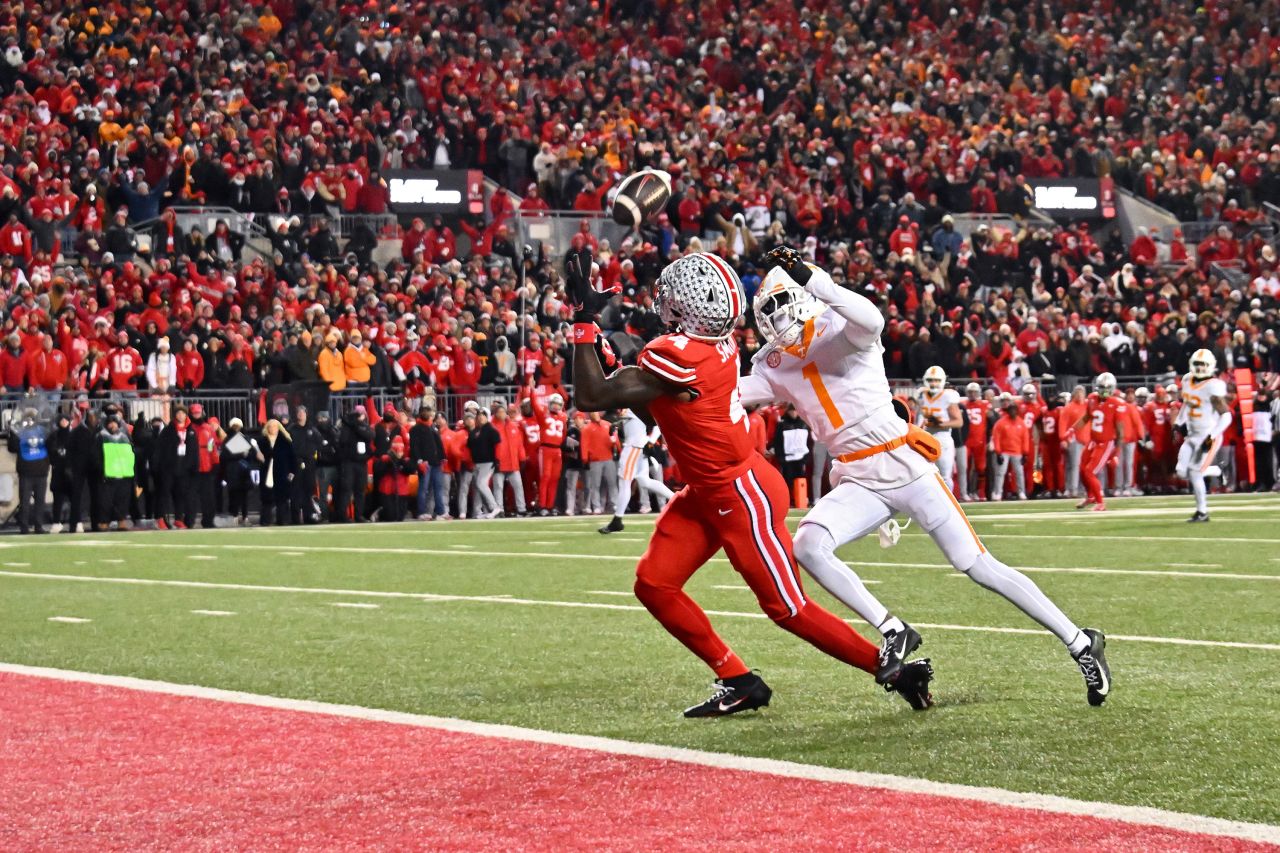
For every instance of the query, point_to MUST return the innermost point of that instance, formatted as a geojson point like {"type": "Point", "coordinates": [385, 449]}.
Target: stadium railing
{"type": "Point", "coordinates": [555, 229]}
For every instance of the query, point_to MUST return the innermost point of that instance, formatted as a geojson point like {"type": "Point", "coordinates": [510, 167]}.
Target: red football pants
{"type": "Point", "coordinates": [530, 474]}
{"type": "Point", "coordinates": [746, 517]}
{"type": "Point", "coordinates": [1051, 465]}
{"type": "Point", "coordinates": [549, 477]}
{"type": "Point", "coordinates": [1096, 456]}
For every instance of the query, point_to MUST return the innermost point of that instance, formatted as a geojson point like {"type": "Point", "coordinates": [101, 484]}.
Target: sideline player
{"type": "Point", "coordinates": [1202, 420]}
{"type": "Point", "coordinates": [634, 465]}
{"type": "Point", "coordinates": [824, 356]}
{"type": "Point", "coordinates": [1031, 409]}
{"type": "Point", "coordinates": [687, 382]}
{"type": "Point", "coordinates": [974, 450]}
{"type": "Point", "coordinates": [552, 422]}
{"type": "Point", "coordinates": [939, 414]}
{"type": "Point", "coordinates": [1105, 415]}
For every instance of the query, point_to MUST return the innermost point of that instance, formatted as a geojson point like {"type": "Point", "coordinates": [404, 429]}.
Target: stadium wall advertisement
{"type": "Point", "coordinates": [451, 191]}
{"type": "Point", "coordinates": [1075, 198]}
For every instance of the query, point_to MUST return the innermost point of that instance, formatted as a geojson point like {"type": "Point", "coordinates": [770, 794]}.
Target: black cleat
{"type": "Point", "coordinates": [1093, 666]}
{"type": "Point", "coordinates": [894, 650]}
{"type": "Point", "coordinates": [1197, 517]}
{"type": "Point", "coordinates": [913, 683]}
{"type": "Point", "coordinates": [741, 693]}
{"type": "Point", "coordinates": [614, 526]}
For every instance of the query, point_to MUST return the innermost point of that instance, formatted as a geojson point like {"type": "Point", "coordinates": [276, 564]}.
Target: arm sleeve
{"type": "Point", "coordinates": [864, 320]}
{"type": "Point", "coordinates": [755, 390]}
{"type": "Point", "coordinates": [1220, 426]}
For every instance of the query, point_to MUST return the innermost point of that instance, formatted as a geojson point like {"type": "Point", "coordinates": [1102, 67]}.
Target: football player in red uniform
{"type": "Point", "coordinates": [974, 450]}
{"type": "Point", "coordinates": [1157, 416]}
{"type": "Point", "coordinates": [687, 382]}
{"type": "Point", "coordinates": [552, 421]}
{"type": "Point", "coordinates": [1031, 408]}
{"type": "Point", "coordinates": [1051, 448]}
{"type": "Point", "coordinates": [1105, 416]}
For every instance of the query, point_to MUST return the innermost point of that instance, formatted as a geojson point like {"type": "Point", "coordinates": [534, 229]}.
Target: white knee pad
{"type": "Point", "coordinates": [813, 543]}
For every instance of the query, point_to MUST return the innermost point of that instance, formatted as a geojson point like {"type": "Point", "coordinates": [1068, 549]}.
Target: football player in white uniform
{"type": "Point", "coordinates": [634, 466]}
{"type": "Point", "coordinates": [824, 356]}
{"type": "Point", "coordinates": [1202, 420]}
{"type": "Point", "coordinates": [939, 414]}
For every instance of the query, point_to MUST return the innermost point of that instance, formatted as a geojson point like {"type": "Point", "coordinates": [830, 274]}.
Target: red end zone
{"type": "Point", "coordinates": [84, 765]}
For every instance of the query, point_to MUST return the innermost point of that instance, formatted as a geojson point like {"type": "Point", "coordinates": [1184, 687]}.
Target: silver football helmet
{"type": "Point", "coordinates": [702, 295]}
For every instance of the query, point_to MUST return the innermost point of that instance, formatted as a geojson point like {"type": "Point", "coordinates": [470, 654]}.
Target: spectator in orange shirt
{"type": "Point", "coordinates": [1011, 441]}
{"type": "Point", "coordinates": [511, 456]}
{"type": "Point", "coordinates": [602, 471]}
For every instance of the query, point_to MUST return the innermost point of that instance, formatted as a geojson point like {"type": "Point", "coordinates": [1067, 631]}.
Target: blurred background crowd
{"type": "Point", "coordinates": [896, 142]}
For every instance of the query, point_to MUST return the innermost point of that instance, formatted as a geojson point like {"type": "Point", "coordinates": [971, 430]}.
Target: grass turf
{"type": "Point", "coordinates": [1190, 728]}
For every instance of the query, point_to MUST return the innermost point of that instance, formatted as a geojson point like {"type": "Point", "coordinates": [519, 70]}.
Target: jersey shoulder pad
{"type": "Point", "coordinates": [1216, 388]}
{"type": "Point", "coordinates": [675, 358]}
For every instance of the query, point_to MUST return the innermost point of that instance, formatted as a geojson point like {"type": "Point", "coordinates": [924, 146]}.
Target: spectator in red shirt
{"type": "Point", "coordinates": [47, 369]}
{"type": "Point", "coordinates": [13, 364]}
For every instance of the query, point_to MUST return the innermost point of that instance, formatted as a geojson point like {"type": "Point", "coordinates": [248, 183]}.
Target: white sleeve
{"type": "Point", "coordinates": [1220, 426]}
{"type": "Point", "coordinates": [863, 318]}
{"type": "Point", "coordinates": [755, 390]}
{"type": "Point", "coordinates": [655, 434]}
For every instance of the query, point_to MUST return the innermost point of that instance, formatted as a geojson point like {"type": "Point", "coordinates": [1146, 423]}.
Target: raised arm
{"type": "Point", "coordinates": [864, 323]}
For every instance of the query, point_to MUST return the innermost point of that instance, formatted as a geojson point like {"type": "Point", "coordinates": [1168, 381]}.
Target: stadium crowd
{"type": "Point", "coordinates": [857, 135]}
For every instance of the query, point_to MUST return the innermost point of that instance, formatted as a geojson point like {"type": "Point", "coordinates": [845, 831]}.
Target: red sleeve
{"type": "Point", "coordinates": [666, 358]}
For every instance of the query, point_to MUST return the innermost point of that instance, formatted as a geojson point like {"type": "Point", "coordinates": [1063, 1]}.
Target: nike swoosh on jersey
{"type": "Point", "coordinates": [724, 511]}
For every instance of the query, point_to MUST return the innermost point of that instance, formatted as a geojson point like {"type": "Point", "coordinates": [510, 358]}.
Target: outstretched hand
{"type": "Point", "coordinates": [791, 261]}
{"type": "Point", "coordinates": [584, 300]}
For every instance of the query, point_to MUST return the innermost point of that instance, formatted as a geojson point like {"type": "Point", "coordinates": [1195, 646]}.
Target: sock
{"type": "Point", "coordinates": [815, 550]}
{"type": "Point", "coordinates": [684, 620]}
{"type": "Point", "coordinates": [1022, 593]}
{"type": "Point", "coordinates": [1079, 644]}
{"type": "Point", "coordinates": [1198, 489]}
{"type": "Point", "coordinates": [893, 623]}
{"type": "Point", "coordinates": [824, 630]}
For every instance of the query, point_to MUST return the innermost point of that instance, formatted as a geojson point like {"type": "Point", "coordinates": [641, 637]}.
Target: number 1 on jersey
{"type": "Point", "coordinates": [810, 372]}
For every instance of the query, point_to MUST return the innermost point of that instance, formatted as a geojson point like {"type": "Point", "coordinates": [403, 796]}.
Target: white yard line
{"type": "Point", "coordinates": [1141, 815]}
{"type": "Point", "coordinates": [69, 620]}
{"type": "Point", "coordinates": [355, 605]}
{"type": "Point", "coordinates": [214, 612]}
{"type": "Point", "coordinates": [618, 592]}
{"type": "Point", "coordinates": [1194, 565]}
{"type": "Point", "coordinates": [591, 605]}
{"type": "Point", "coordinates": [203, 557]}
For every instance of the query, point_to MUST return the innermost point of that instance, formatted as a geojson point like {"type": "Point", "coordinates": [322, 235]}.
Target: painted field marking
{"type": "Point", "coordinates": [78, 563]}
{"type": "Point", "coordinates": [594, 605]}
{"type": "Point", "coordinates": [542, 542]}
{"type": "Point", "coordinates": [203, 557]}
{"type": "Point", "coordinates": [18, 565]}
{"type": "Point", "coordinates": [357, 605]}
{"type": "Point", "coordinates": [214, 612]}
{"type": "Point", "coordinates": [1194, 565]}
{"type": "Point", "coordinates": [292, 553]}
{"type": "Point", "coordinates": [69, 620]}
{"type": "Point", "coordinates": [619, 592]}
{"type": "Point", "coordinates": [1120, 538]}
{"type": "Point", "coordinates": [112, 560]}
{"type": "Point", "coordinates": [1141, 815]}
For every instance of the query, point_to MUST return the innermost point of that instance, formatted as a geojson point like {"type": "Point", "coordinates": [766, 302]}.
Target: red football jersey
{"type": "Point", "coordinates": [1031, 412]}
{"type": "Point", "coordinates": [709, 436]}
{"type": "Point", "coordinates": [1103, 414]}
{"type": "Point", "coordinates": [1049, 425]}
{"type": "Point", "coordinates": [551, 426]}
{"type": "Point", "coordinates": [1158, 418]}
{"type": "Point", "coordinates": [976, 412]}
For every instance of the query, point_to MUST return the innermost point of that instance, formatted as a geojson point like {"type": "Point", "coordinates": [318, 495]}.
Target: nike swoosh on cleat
{"type": "Point", "coordinates": [723, 707]}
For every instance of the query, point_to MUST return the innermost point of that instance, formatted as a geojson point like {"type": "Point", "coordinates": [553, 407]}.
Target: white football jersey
{"type": "Point", "coordinates": [935, 406]}
{"type": "Point", "coordinates": [1197, 401]}
{"type": "Point", "coordinates": [835, 379]}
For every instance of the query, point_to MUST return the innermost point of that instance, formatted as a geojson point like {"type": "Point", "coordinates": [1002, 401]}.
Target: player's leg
{"type": "Point", "coordinates": [1001, 468]}
{"type": "Point", "coordinates": [947, 459]}
{"type": "Point", "coordinates": [935, 509]}
{"type": "Point", "coordinates": [1093, 460]}
{"type": "Point", "coordinates": [517, 490]}
{"type": "Point", "coordinates": [626, 476]}
{"type": "Point", "coordinates": [682, 542]}
{"type": "Point", "coordinates": [979, 454]}
{"type": "Point", "coordinates": [652, 484]}
{"type": "Point", "coordinates": [1019, 475]}
{"type": "Point", "coordinates": [962, 472]}
{"type": "Point", "coordinates": [752, 516]}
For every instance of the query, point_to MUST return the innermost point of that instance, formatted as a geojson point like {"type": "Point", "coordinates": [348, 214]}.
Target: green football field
{"type": "Point", "coordinates": [532, 623]}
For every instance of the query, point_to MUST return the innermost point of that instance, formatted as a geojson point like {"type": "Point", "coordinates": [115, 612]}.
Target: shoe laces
{"type": "Point", "coordinates": [1089, 667]}
{"type": "Point", "coordinates": [887, 647]}
{"type": "Point", "coordinates": [722, 691]}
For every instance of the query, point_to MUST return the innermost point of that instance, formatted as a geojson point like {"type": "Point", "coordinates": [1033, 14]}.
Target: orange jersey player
{"type": "Point", "coordinates": [687, 382]}
{"type": "Point", "coordinates": [1105, 416]}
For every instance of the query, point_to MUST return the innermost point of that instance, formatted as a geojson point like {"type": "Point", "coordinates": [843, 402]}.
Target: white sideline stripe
{"type": "Point", "coordinates": [1194, 565]}
{"type": "Point", "coordinates": [595, 605]}
{"type": "Point", "coordinates": [358, 605]}
{"type": "Point", "coordinates": [1141, 815]}
{"type": "Point", "coordinates": [1085, 570]}
{"type": "Point", "coordinates": [214, 612]}
{"type": "Point", "coordinates": [70, 620]}
{"type": "Point", "coordinates": [293, 554]}
{"type": "Point", "coordinates": [1112, 537]}
{"type": "Point", "coordinates": [203, 557]}
{"type": "Point", "coordinates": [18, 565]}
{"type": "Point", "coordinates": [619, 592]}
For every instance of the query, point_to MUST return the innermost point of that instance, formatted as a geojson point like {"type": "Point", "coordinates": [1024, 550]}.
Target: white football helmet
{"type": "Point", "coordinates": [1105, 384]}
{"type": "Point", "coordinates": [1029, 391]}
{"type": "Point", "coordinates": [1203, 364]}
{"type": "Point", "coordinates": [1142, 394]}
{"type": "Point", "coordinates": [702, 295]}
{"type": "Point", "coordinates": [934, 379]}
{"type": "Point", "coordinates": [555, 400]}
{"type": "Point", "coordinates": [973, 391]}
{"type": "Point", "coordinates": [782, 307]}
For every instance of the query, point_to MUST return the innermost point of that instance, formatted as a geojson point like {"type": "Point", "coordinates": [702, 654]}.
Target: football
{"type": "Point", "coordinates": [640, 197]}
